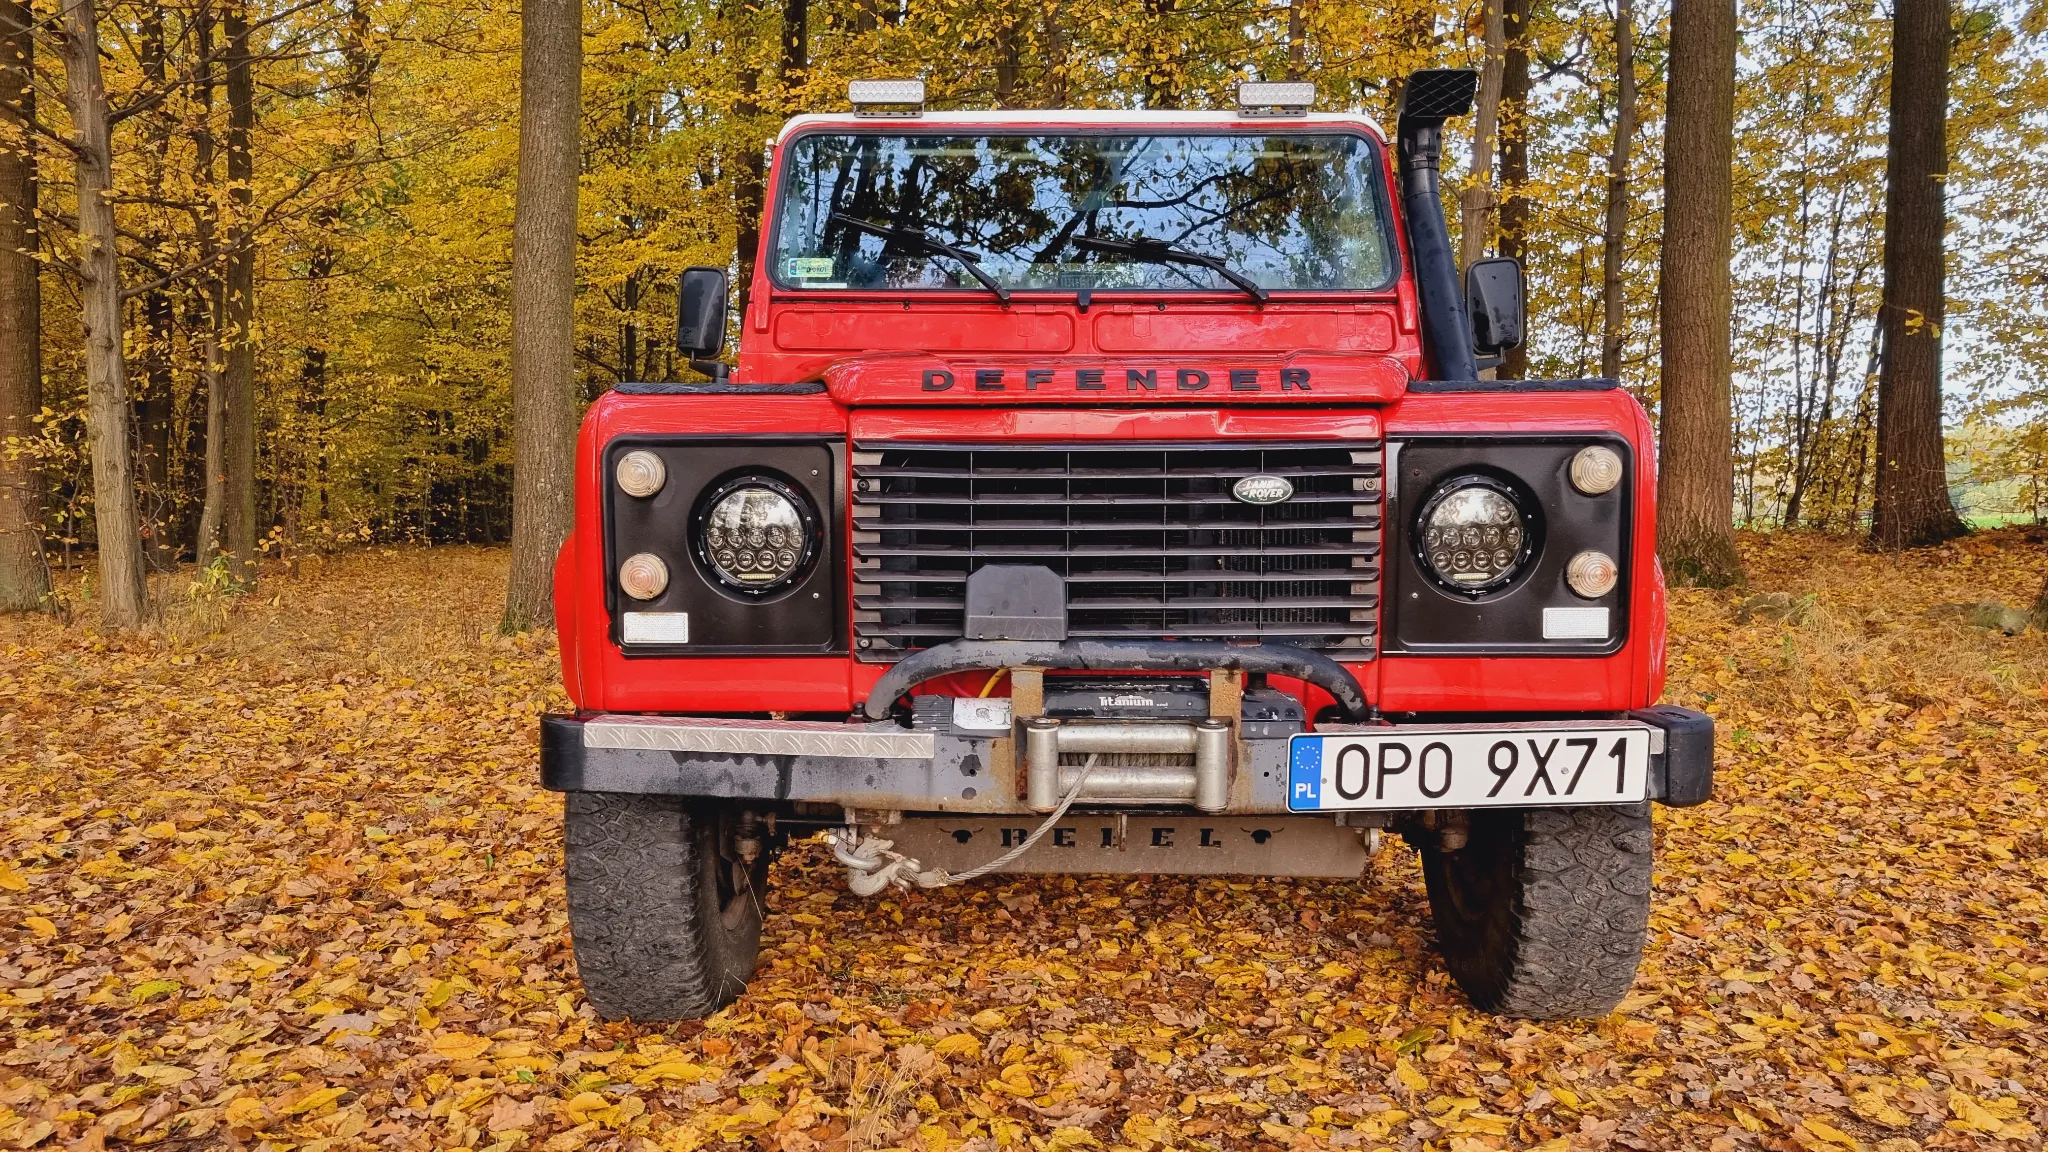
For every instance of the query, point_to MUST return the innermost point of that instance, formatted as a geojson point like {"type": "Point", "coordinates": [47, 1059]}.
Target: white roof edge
{"type": "Point", "coordinates": [1056, 118]}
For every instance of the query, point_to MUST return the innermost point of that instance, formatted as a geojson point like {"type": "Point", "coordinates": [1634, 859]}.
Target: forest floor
{"type": "Point", "coordinates": [279, 875]}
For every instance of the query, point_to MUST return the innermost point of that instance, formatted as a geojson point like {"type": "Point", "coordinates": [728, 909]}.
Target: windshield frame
{"type": "Point", "coordinates": [1396, 241]}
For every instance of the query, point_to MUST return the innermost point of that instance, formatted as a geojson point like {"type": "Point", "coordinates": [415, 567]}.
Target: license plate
{"type": "Point", "coordinates": [1470, 767]}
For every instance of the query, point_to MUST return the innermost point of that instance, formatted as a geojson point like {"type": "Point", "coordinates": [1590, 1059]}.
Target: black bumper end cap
{"type": "Point", "coordinates": [561, 753]}
{"type": "Point", "coordinates": [1684, 775]}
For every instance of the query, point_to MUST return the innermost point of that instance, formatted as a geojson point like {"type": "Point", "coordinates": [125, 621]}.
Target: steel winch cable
{"type": "Point", "coordinates": [872, 865]}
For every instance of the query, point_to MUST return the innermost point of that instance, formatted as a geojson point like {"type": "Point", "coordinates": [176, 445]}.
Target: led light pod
{"type": "Point", "coordinates": [885, 97]}
{"type": "Point", "coordinates": [643, 576]}
{"type": "Point", "coordinates": [1596, 470]}
{"type": "Point", "coordinates": [1474, 535]}
{"type": "Point", "coordinates": [1275, 97]}
{"type": "Point", "coordinates": [640, 473]}
{"type": "Point", "coordinates": [1592, 574]}
{"type": "Point", "coordinates": [756, 534]}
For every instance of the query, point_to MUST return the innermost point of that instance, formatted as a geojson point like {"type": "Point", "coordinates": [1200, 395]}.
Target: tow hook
{"type": "Point", "coordinates": [873, 864]}
{"type": "Point", "coordinates": [747, 843]}
{"type": "Point", "coordinates": [1450, 829]}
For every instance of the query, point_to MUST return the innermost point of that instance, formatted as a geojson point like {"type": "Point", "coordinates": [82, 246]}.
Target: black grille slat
{"type": "Point", "coordinates": [1034, 500]}
{"type": "Point", "coordinates": [1008, 525]}
{"type": "Point", "coordinates": [1008, 552]}
{"type": "Point", "coordinates": [1148, 537]}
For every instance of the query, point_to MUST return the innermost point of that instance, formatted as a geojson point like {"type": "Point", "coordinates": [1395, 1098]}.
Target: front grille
{"type": "Point", "coordinates": [1149, 538]}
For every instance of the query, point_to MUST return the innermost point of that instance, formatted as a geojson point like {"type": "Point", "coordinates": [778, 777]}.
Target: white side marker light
{"type": "Point", "coordinates": [640, 473]}
{"type": "Point", "coordinates": [1596, 470]}
{"type": "Point", "coordinates": [1592, 574]}
{"type": "Point", "coordinates": [643, 576]}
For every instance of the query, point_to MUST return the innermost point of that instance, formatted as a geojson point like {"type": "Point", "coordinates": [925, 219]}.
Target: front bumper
{"type": "Point", "coordinates": [939, 767]}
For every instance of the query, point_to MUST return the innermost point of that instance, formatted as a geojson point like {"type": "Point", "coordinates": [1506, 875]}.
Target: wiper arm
{"type": "Point", "coordinates": [1149, 251]}
{"type": "Point", "coordinates": [918, 237]}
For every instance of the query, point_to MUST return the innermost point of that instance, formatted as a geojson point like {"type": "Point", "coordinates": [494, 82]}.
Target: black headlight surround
{"type": "Point", "coordinates": [1423, 618]}
{"type": "Point", "coordinates": [700, 546]}
{"type": "Point", "coordinates": [1526, 506]}
{"type": "Point", "coordinates": [807, 618]}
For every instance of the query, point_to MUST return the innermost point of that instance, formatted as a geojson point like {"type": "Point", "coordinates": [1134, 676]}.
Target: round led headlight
{"type": "Point", "coordinates": [1596, 470]}
{"type": "Point", "coordinates": [643, 576]}
{"type": "Point", "coordinates": [1592, 574]}
{"type": "Point", "coordinates": [1474, 535]}
{"type": "Point", "coordinates": [640, 473]}
{"type": "Point", "coordinates": [756, 534]}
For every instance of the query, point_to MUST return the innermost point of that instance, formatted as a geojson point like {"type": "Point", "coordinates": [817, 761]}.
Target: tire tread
{"type": "Point", "coordinates": [634, 880]}
{"type": "Point", "coordinates": [1569, 905]}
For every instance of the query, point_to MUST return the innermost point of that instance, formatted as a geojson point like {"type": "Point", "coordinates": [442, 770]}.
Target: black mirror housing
{"type": "Point", "coordinates": [1493, 298]}
{"type": "Point", "coordinates": [701, 313]}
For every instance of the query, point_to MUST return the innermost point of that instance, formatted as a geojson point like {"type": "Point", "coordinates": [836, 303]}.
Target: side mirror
{"type": "Point", "coordinates": [700, 318]}
{"type": "Point", "coordinates": [1493, 297]}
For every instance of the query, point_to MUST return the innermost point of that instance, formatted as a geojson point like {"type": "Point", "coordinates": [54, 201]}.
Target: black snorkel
{"type": "Point", "coordinates": [1428, 99]}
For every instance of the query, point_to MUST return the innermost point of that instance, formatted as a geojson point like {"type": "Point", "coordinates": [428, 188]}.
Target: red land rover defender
{"type": "Point", "coordinates": [1114, 492]}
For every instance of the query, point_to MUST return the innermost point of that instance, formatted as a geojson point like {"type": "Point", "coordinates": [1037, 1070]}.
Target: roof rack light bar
{"type": "Point", "coordinates": [886, 97]}
{"type": "Point", "coordinates": [1275, 97]}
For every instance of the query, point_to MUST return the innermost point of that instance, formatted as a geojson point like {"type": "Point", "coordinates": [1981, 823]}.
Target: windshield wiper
{"type": "Point", "coordinates": [1149, 251]}
{"type": "Point", "coordinates": [919, 238]}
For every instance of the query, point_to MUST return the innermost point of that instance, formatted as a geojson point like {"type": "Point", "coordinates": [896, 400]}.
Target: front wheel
{"type": "Point", "coordinates": [1542, 914]}
{"type": "Point", "coordinates": [664, 905]}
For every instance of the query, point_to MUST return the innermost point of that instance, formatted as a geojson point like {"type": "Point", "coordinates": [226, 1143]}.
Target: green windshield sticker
{"type": "Point", "coordinates": [809, 267]}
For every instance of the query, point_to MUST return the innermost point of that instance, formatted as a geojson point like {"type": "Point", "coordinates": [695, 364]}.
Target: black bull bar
{"type": "Point", "coordinates": [1118, 656]}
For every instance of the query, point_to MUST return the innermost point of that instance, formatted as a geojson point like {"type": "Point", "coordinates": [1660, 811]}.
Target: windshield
{"type": "Point", "coordinates": [875, 211]}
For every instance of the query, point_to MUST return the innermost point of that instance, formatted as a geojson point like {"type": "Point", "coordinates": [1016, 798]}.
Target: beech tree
{"type": "Point", "coordinates": [1913, 505]}
{"type": "Point", "coordinates": [1696, 471]}
{"type": "Point", "coordinates": [544, 391]}
{"type": "Point", "coordinates": [24, 578]}
{"type": "Point", "coordinates": [1614, 236]}
{"type": "Point", "coordinates": [1514, 157]}
{"type": "Point", "coordinates": [238, 448]}
{"type": "Point", "coordinates": [123, 590]}
{"type": "Point", "coordinates": [1477, 200]}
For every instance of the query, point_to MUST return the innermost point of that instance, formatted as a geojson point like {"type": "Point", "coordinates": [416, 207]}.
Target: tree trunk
{"type": "Point", "coordinates": [213, 373]}
{"type": "Point", "coordinates": [1514, 158]}
{"type": "Point", "coordinates": [154, 410]}
{"type": "Point", "coordinates": [544, 395]}
{"type": "Point", "coordinates": [154, 402]}
{"type": "Point", "coordinates": [1476, 200]}
{"type": "Point", "coordinates": [24, 575]}
{"type": "Point", "coordinates": [1614, 240]}
{"type": "Point", "coordinates": [1009, 46]}
{"type": "Point", "coordinates": [749, 182]}
{"type": "Point", "coordinates": [1696, 467]}
{"type": "Point", "coordinates": [124, 594]}
{"type": "Point", "coordinates": [1163, 55]}
{"type": "Point", "coordinates": [1055, 38]}
{"type": "Point", "coordinates": [238, 508]}
{"type": "Point", "coordinates": [796, 49]}
{"type": "Point", "coordinates": [1297, 39]}
{"type": "Point", "coordinates": [1913, 505]}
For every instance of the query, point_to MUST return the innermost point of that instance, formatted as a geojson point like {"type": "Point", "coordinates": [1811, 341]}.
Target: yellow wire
{"type": "Point", "coordinates": [993, 677]}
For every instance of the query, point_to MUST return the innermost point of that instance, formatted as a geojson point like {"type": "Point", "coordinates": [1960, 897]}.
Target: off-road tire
{"type": "Point", "coordinates": [664, 926]}
{"type": "Point", "coordinates": [1543, 912]}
